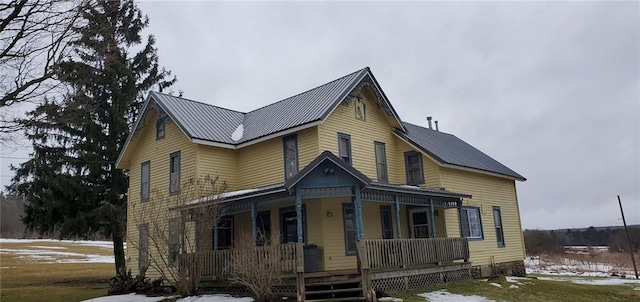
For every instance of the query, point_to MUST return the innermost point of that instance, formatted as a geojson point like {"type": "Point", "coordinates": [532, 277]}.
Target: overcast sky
{"type": "Point", "coordinates": [552, 90]}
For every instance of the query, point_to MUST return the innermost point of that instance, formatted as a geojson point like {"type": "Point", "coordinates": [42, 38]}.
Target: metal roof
{"type": "Point", "coordinates": [216, 124]}
{"type": "Point", "coordinates": [449, 149]}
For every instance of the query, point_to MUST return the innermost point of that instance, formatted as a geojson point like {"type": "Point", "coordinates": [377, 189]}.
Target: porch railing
{"type": "Point", "coordinates": [219, 264]}
{"type": "Point", "coordinates": [396, 253]}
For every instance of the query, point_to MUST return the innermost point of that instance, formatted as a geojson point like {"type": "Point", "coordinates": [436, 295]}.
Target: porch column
{"type": "Point", "coordinates": [254, 228]}
{"type": "Point", "coordinates": [215, 235]}
{"type": "Point", "coordinates": [460, 216]}
{"type": "Point", "coordinates": [398, 228]}
{"type": "Point", "coordinates": [432, 220]}
{"type": "Point", "coordinates": [299, 215]}
{"type": "Point", "coordinates": [358, 213]}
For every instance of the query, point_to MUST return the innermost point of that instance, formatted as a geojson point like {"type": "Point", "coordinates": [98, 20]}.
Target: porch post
{"type": "Point", "coordinates": [358, 212]}
{"type": "Point", "coordinates": [460, 216]}
{"type": "Point", "coordinates": [433, 222]}
{"type": "Point", "coordinates": [398, 228]}
{"type": "Point", "coordinates": [254, 231]}
{"type": "Point", "coordinates": [215, 236]}
{"type": "Point", "coordinates": [299, 215]}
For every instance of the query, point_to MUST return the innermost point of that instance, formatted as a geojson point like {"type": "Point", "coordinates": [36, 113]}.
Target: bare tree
{"type": "Point", "coordinates": [174, 227]}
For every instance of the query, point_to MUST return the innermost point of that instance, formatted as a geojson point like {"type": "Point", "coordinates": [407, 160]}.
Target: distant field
{"type": "Point", "coordinates": [49, 270]}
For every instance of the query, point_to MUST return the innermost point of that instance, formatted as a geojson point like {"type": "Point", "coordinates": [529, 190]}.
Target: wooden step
{"type": "Point", "coordinates": [332, 282]}
{"type": "Point", "coordinates": [337, 299]}
{"type": "Point", "coordinates": [333, 291]}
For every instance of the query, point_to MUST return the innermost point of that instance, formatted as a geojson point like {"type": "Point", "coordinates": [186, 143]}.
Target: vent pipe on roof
{"type": "Point", "coordinates": [437, 126]}
{"type": "Point", "coordinates": [429, 120]}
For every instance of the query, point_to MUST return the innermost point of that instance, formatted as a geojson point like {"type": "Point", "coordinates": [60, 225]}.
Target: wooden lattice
{"type": "Point", "coordinates": [418, 281]}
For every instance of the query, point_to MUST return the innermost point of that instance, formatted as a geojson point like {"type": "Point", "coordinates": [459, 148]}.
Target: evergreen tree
{"type": "Point", "coordinates": [71, 183]}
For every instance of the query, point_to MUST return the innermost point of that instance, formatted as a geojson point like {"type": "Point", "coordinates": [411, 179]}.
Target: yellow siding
{"type": "Point", "coordinates": [263, 163]}
{"type": "Point", "coordinates": [363, 135]}
{"type": "Point", "coordinates": [220, 162]}
{"type": "Point", "coordinates": [488, 191]}
{"type": "Point", "coordinates": [157, 152]}
{"type": "Point", "coordinates": [335, 257]}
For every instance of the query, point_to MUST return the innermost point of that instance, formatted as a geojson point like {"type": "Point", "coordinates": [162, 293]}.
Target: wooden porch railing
{"type": "Point", "coordinates": [395, 253]}
{"type": "Point", "coordinates": [219, 264]}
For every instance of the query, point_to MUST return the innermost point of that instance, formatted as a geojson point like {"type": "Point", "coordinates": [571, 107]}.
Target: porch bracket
{"type": "Point", "coordinates": [398, 228]}
{"type": "Point", "coordinates": [254, 227]}
{"type": "Point", "coordinates": [299, 215]}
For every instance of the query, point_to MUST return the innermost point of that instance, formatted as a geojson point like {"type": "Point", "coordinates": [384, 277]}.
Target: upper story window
{"type": "Point", "coordinates": [361, 110]}
{"type": "Point", "coordinates": [160, 128]}
{"type": "Point", "coordinates": [413, 166]}
{"type": "Point", "coordinates": [497, 220]}
{"type": "Point", "coordinates": [470, 223]}
{"type": "Point", "coordinates": [174, 172]}
{"type": "Point", "coordinates": [290, 156]}
{"type": "Point", "coordinates": [145, 176]}
{"type": "Point", "coordinates": [344, 147]}
{"type": "Point", "coordinates": [381, 162]}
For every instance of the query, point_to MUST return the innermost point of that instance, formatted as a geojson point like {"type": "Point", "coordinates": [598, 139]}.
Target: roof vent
{"type": "Point", "coordinates": [437, 126]}
{"type": "Point", "coordinates": [429, 120]}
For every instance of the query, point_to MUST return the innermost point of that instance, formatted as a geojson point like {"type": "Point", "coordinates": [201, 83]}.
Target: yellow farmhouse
{"type": "Point", "coordinates": [378, 202]}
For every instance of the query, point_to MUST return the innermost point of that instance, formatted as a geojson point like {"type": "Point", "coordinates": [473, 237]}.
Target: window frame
{"type": "Point", "coordinates": [347, 137]}
{"type": "Point", "coordinates": [384, 209]}
{"type": "Point", "coordinates": [411, 222]}
{"type": "Point", "coordinates": [161, 128]}
{"type": "Point", "coordinates": [293, 137]}
{"type": "Point", "coordinates": [143, 246]}
{"type": "Point", "coordinates": [142, 188]}
{"type": "Point", "coordinates": [350, 206]}
{"type": "Point", "coordinates": [173, 256]}
{"type": "Point", "coordinates": [500, 228]}
{"type": "Point", "coordinates": [281, 221]}
{"type": "Point", "coordinates": [217, 228]}
{"type": "Point", "coordinates": [407, 171]}
{"type": "Point", "coordinates": [384, 156]}
{"type": "Point", "coordinates": [462, 233]}
{"type": "Point", "coordinates": [172, 190]}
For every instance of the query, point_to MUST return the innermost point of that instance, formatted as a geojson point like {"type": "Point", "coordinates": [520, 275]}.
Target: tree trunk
{"type": "Point", "coordinates": [118, 252]}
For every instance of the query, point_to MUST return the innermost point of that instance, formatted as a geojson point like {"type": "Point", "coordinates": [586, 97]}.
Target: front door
{"type": "Point", "coordinates": [420, 222]}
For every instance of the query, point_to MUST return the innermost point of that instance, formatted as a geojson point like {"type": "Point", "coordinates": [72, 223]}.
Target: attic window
{"type": "Point", "coordinates": [160, 128]}
{"type": "Point", "coordinates": [361, 110]}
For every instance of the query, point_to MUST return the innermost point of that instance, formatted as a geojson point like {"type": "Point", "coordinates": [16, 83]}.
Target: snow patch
{"type": "Point", "coordinates": [602, 281]}
{"type": "Point", "coordinates": [215, 298]}
{"type": "Point", "coordinates": [496, 284]}
{"type": "Point", "coordinates": [49, 247]}
{"type": "Point", "coordinates": [126, 298]}
{"type": "Point", "coordinates": [49, 256]}
{"type": "Point", "coordinates": [103, 244]}
{"type": "Point", "coordinates": [445, 296]}
{"type": "Point", "coordinates": [637, 288]}
{"type": "Point", "coordinates": [513, 286]}
{"type": "Point", "coordinates": [392, 299]}
{"type": "Point", "coordinates": [237, 135]}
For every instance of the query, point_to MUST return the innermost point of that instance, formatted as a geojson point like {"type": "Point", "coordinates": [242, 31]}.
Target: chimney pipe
{"type": "Point", "coordinates": [437, 126]}
{"type": "Point", "coordinates": [429, 120]}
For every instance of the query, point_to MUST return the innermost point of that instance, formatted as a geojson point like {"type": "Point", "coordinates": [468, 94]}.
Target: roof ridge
{"type": "Point", "coordinates": [425, 128]}
{"type": "Point", "coordinates": [194, 101]}
{"type": "Point", "coordinates": [308, 90]}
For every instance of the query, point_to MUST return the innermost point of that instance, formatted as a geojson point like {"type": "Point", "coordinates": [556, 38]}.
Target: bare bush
{"type": "Point", "coordinates": [257, 267]}
{"type": "Point", "coordinates": [171, 222]}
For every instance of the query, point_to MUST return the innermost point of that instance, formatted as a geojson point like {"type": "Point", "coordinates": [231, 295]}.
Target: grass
{"type": "Point", "coordinates": [26, 279]}
{"type": "Point", "coordinates": [535, 291]}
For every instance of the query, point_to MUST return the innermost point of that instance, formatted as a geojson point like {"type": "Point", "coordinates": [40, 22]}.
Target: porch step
{"type": "Point", "coordinates": [337, 299]}
{"type": "Point", "coordinates": [334, 291]}
{"type": "Point", "coordinates": [332, 282]}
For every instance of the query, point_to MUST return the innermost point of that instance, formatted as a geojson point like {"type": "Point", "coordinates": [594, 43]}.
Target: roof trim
{"type": "Point", "coordinates": [442, 163]}
{"type": "Point", "coordinates": [143, 111]}
{"type": "Point", "coordinates": [326, 155]}
{"type": "Point", "coordinates": [416, 190]}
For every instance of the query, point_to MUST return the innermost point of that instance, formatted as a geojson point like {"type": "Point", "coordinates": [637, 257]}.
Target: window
{"type": "Point", "coordinates": [290, 156]}
{"type": "Point", "coordinates": [174, 173]}
{"type": "Point", "coordinates": [289, 225]}
{"type": "Point", "coordinates": [471, 223]}
{"type": "Point", "coordinates": [160, 125]}
{"type": "Point", "coordinates": [145, 171]}
{"type": "Point", "coordinates": [263, 226]}
{"type": "Point", "coordinates": [344, 147]}
{"type": "Point", "coordinates": [419, 219]}
{"type": "Point", "coordinates": [381, 162]}
{"type": "Point", "coordinates": [348, 215]}
{"type": "Point", "coordinates": [174, 241]}
{"type": "Point", "coordinates": [387, 223]}
{"type": "Point", "coordinates": [224, 233]}
{"type": "Point", "coordinates": [413, 166]}
{"type": "Point", "coordinates": [361, 110]}
{"type": "Point", "coordinates": [143, 246]}
{"type": "Point", "coordinates": [497, 220]}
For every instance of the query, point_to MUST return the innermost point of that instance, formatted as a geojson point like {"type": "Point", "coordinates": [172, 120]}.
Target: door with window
{"type": "Point", "coordinates": [419, 221]}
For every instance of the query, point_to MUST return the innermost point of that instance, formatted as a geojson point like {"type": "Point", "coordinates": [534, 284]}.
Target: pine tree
{"type": "Point", "coordinates": [71, 183]}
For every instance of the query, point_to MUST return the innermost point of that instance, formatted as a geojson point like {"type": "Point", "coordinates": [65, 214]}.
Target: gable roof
{"type": "Point", "coordinates": [450, 150]}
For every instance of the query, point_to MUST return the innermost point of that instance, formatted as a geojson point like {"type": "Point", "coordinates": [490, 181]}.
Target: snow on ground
{"type": "Point", "coordinates": [392, 299]}
{"type": "Point", "coordinates": [593, 281]}
{"type": "Point", "coordinates": [104, 244]}
{"type": "Point", "coordinates": [53, 254]}
{"type": "Point", "coordinates": [496, 284]}
{"type": "Point", "coordinates": [571, 267]}
{"type": "Point", "coordinates": [445, 296]}
{"type": "Point", "coordinates": [142, 298]}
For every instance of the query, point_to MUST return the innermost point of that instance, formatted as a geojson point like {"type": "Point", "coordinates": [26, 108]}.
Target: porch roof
{"type": "Point", "coordinates": [406, 189]}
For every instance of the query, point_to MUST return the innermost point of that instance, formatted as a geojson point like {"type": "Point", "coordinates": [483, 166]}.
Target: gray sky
{"type": "Point", "coordinates": [551, 90]}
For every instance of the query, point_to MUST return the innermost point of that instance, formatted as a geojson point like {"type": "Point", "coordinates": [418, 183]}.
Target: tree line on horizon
{"type": "Point", "coordinates": [553, 241]}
